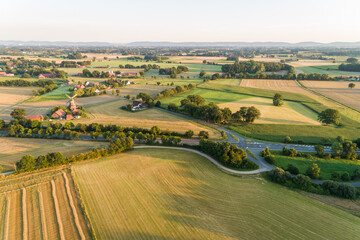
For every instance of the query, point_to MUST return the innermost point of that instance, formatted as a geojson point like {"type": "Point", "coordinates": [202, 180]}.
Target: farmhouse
{"type": "Point", "coordinates": [6, 74]}
{"type": "Point", "coordinates": [58, 114]}
{"type": "Point", "coordinates": [35, 117]}
{"type": "Point", "coordinates": [137, 105]}
{"type": "Point", "coordinates": [47, 75]}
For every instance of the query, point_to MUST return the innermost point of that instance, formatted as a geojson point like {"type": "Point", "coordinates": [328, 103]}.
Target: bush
{"type": "Point", "coordinates": [345, 177]}
{"type": "Point", "coordinates": [270, 159]}
{"type": "Point", "coordinates": [335, 176]}
{"type": "Point", "coordinates": [302, 181]}
{"type": "Point", "coordinates": [279, 175]}
{"type": "Point", "coordinates": [292, 169]}
{"type": "Point", "coordinates": [313, 171]}
{"type": "Point", "coordinates": [288, 139]}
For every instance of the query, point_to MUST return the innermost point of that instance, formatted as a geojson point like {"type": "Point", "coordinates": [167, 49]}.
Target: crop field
{"type": "Point", "coordinates": [338, 91]}
{"type": "Point", "coordinates": [12, 149]}
{"type": "Point", "coordinates": [134, 89]}
{"type": "Point", "coordinates": [310, 62]}
{"type": "Point", "coordinates": [327, 166]}
{"type": "Point", "coordinates": [110, 113]}
{"type": "Point", "coordinates": [41, 206]}
{"type": "Point", "coordinates": [325, 70]}
{"type": "Point", "coordinates": [74, 71]}
{"type": "Point", "coordinates": [10, 96]}
{"type": "Point", "coordinates": [197, 59]}
{"type": "Point", "coordinates": [173, 194]}
{"type": "Point", "coordinates": [289, 113]}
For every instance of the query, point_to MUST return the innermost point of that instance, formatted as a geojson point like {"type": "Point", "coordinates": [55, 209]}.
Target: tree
{"type": "Point", "coordinates": [351, 85]}
{"type": "Point", "coordinates": [26, 75]}
{"type": "Point", "coordinates": [252, 113]}
{"type": "Point", "coordinates": [202, 73]}
{"type": "Point", "coordinates": [27, 163]}
{"type": "Point", "coordinates": [18, 113]}
{"type": "Point", "coordinates": [204, 134]}
{"type": "Point", "coordinates": [337, 149]}
{"type": "Point", "coordinates": [118, 92]}
{"type": "Point", "coordinates": [329, 116]}
{"type": "Point", "coordinates": [292, 169]}
{"type": "Point", "coordinates": [288, 139]}
{"type": "Point", "coordinates": [155, 130]}
{"type": "Point", "coordinates": [189, 133]}
{"type": "Point", "coordinates": [313, 171]}
{"type": "Point", "coordinates": [319, 150]}
{"type": "Point", "coordinates": [278, 100]}
{"type": "Point", "coordinates": [349, 150]}
{"type": "Point", "coordinates": [352, 60]}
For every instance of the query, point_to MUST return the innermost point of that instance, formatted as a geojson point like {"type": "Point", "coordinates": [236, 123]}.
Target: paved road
{"type": "Point", "coordinates": [256, 146]}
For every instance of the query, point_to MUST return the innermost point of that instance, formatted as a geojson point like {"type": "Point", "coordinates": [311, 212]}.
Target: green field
{"type": "Point", "coordinates": [173, 194]}
{"type": "Point", "coordinates": [57, 94]}
{"type": "Point", "coordinates": [327, 166]}
{"type": "Point", "coordinates": [221, 92]}
{"type": "Point", "coordinates": [328, 69]}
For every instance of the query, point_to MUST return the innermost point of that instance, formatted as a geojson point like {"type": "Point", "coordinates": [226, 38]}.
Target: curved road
{"type": "Point", "coordinates": [255, 147]}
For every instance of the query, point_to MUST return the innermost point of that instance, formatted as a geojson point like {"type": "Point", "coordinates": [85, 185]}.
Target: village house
{"type": "Point", "coordinates": [47, 75]}
{"type": "Point", "coordinates": [35, 117]}
{"type": "Point", "coordinates": [58, 114]}
{"type": "Point", "coordinates": [130, 74]}
{"type": "Point", "coordinates": [138, 105]}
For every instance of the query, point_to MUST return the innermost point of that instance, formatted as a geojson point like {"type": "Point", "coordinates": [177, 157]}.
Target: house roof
{"type": "Point", "coordinates": [35, 117]}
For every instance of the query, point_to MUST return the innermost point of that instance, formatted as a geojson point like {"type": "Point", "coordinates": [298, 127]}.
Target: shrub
{"type": "Point", "coordinates": [270, 159]}
{"type": "Point", "coordinates": [292, 169]}
{"type": "Point", "coordinates": [335, 176]}
{"type": "Point", "coordinates": [279, 175]}
{"type": "Point", "coordinates": [345, 177]}
{"type": "Point", "coordinates": [288, 139]}
{"type": "Point", "coordinates": [313, 171]}
{"type": "Point", "coordinates": [302, 181]}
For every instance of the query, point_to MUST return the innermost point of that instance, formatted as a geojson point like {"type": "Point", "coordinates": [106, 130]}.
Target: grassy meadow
{"type": "Point", "coordinates": [327, 166]}
{"type": "Point", "coordinates": [332, 70]}
{"type": "Point", "coordinates": [181, 195]}
{"type": "Point", "coordinates": [12, 149]}
{"type": "Point", "coordinates": [221, 92]}
{"type": "Point", "coordinates": [110, 113]}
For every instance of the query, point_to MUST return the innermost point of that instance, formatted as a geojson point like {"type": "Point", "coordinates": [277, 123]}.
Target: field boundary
{"type": "Point", "coordinates": [73, 208]}
{"type": "Point", "coordinates": [83, 207]}
{"type": "Point", "coordinates": [57, 211]}
{"type": "Point", "coordinates": [321, 95]}
{"type": "Point", "coordinates": [42, 215]}
{"type": "Point", "coordinates": [24, 214]}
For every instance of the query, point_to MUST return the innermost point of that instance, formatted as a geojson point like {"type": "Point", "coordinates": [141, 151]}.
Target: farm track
{"type": "Point", "coordinates": [24, 214]}
{"type": "Point", "coordinates": [6, 218]}
{"type": "Point", "coordinates": [57, 211]}
{"type": "Point", "coordinates": [73, 208]}
{"type": "Point", "coordinates": [42, 216]}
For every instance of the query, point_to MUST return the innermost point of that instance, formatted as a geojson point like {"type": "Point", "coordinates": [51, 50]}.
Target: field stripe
{"type": "Point", "coordinates": [57, 211]}
{"type": "Point", "coordinates": [73, 208]}
{"type": "Point", "coordinates": [24, 214]}
{"type": "Point", "coordinates": [42, 216]}
{"type": "Point", "coordinates": [6, 218]}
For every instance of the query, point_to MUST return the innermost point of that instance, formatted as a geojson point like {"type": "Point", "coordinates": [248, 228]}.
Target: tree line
{"type": "Point", "coordinates": [227, 154]}
{"type": "Point", "coordinates": [194, 105]}
{"type": "Point", "coordinates": [29, 163]}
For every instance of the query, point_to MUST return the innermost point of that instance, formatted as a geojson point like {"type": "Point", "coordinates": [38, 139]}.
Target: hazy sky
{"type": "Point", "coordinates": [124, 21]}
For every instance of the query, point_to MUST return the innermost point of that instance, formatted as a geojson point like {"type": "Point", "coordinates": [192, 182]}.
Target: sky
{"type": "Point", "coordinates": [123, 21]}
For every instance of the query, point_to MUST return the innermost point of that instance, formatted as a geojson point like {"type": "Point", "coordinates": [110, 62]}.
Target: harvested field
{"type": "Point", "coordinates": [10, 97]}
{"type": "Point", "coordinates": [284, 85]}
{"type": "Point", "coordinates": [196, 59]}
{"type": "Point", "coordinates": [180, 195]}
{"type": "Point", "coordinates": [110, 113]}
{"type": "Point", "coordinates": [338, 91]}
{"type": "Point", "coordinates": [309, 62]}
{"type": "Point", "coordinates": [134, 89]}
{"type": "Point", "coordinates": [40, 209]}
{"type": "Point", "coordinates": [289, 113]}
{"type": "Point", "coordinates": [12, 149]}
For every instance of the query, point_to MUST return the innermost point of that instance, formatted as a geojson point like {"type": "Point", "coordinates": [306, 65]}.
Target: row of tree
{"type": "Point", "coordinates": [30, 163]}
{"type": "Point", "coordinates": [227, 154]}
{"type": "Point", "coordinates": [174, 91]}
{"type": "Point", "coordinates": [304, 183]}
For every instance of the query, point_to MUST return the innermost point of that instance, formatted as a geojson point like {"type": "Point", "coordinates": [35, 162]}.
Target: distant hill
{"type": "Point", "coordinates": [177, 44]}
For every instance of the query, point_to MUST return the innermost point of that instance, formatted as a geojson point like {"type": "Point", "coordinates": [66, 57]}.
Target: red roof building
{"type": "Point", "coordinates": [2, 73]}
{"type": "Point", "coordinates": [35, 117]}
{"type": "Point", "coordinates": [69, 117]}
{"type": "Point", "coordinates": [58, 114]}
{"type": "Point", "coordinates": [47, 75]}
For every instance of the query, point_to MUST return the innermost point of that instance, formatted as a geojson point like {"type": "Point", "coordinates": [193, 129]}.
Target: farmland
{"type": "Point", "coordinates": [289, 113]}
{"type": "Point", "coordinates": [10, 96]}
{"type": "Point", "coordinates": [41, 206]}
{"type": "Point", "coordinates": [327, 166]}
{"type": "Point", "coordinates": [221, 92]}
{"type": "Point", "coordinates": [177, 194]}
{"type": "Point", "coordinates": [331, 70]}
{"type": "Point", "coordinates": [338, 91]}
{"type": "Point", "coordinates": [110, 113]}
{"type": "Point", "coordinates": [135, 89]}
{"type": "Point", "coordinates": [12, 149]}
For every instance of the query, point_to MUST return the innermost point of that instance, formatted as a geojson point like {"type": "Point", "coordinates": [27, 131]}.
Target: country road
{"type": "Point", "coordinates": [256, 146]}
